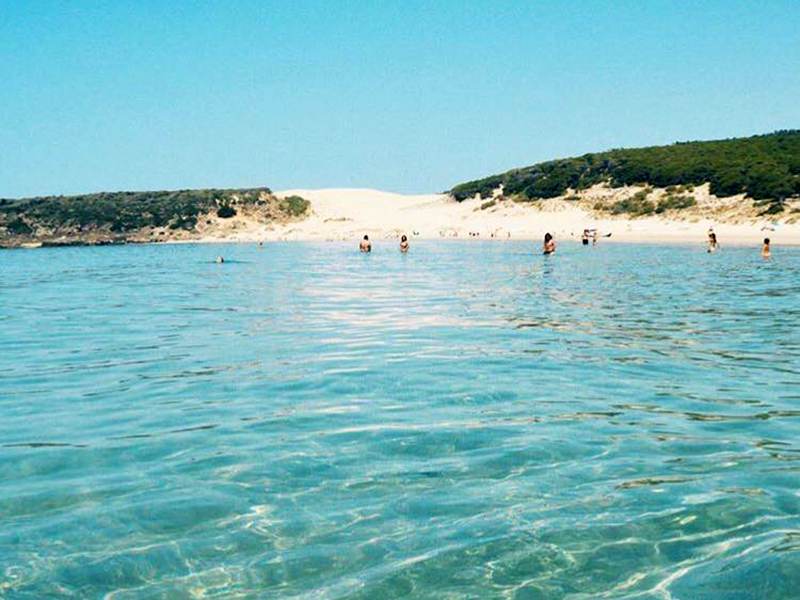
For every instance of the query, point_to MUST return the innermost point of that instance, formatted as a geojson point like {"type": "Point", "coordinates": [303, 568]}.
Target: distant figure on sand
{"type": "Point", "coordinates": [765, 248]}
{"type": "Point", "coordinates": [549, 245]}
{"type": "Point", "coordinates": [220, 259]}
{"type": "Point", "coordinates": [713, 245]}
{"type": "Point", "coordinates": [587, 234]}
{"type": "Point", "coordinates": [404, 244]}
{"type": "Point", "coordinates": [365, 245]}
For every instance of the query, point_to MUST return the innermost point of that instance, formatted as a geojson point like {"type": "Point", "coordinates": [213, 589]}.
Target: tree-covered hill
{"type": "Point", "coordinates": [764, 167]}
{"type": "Point", "coordinates": [134, 216]}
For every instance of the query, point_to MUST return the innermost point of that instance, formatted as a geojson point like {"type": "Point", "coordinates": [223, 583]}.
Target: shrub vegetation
{"type": "Point", "coordinates": [763, 167]}
{"type": "Point", "coordinates": [295, 205]}
{"type": "Point", "coordinates": [127, 212]}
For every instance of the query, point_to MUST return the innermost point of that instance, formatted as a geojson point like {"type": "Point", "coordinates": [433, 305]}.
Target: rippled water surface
{"type": "Point", "coordinates": [471, 420]}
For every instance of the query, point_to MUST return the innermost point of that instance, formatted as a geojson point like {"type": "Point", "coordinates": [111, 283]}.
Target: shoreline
{"type": "Point", "coordinates": [649, 241]}
{"type": "Point", "coordinates": [645, 241]}
{"type": "Point", "coordinates": [753, 239]}
{"type": "Point", "coordinates": [346, 215]}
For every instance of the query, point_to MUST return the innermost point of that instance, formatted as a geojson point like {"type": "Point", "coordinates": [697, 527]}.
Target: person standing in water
{"type": "Point", "coordinates": [404, 246]}
{"type": "Point", "coordinates": [713, 245]}
{"type": "Point", "coordinates": [549, 245]}
{"type": "Point", "coordinates": [585, 237]}
{"type": "Point", "coordinates": [365, 245]}
{"type": "Point", "coordinates": [765, 248]}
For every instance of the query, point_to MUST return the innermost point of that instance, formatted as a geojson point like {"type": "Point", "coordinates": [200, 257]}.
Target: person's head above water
{"type": "Point", "coordinates": [766, 241]}
{"type": "Point", "coordinates": [547, 237]}
{"type": "Point", "coordinates": [712, 236]}
{"type": "Point", "coordinates": [403, 238]}
{"type": "Point", "coordinates": [366, 237]}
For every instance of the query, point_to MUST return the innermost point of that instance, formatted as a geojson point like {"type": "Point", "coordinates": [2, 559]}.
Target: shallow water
{"type": "Point", "coordinates": [471, 420]}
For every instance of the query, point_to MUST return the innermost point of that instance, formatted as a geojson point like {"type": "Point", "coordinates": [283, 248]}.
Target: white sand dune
{"type": "Point", "coordinates": [348, 214]}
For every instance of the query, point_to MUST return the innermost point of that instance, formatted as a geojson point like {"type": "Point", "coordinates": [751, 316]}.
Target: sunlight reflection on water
{"type": "Point", "coordinates": [470, 420]}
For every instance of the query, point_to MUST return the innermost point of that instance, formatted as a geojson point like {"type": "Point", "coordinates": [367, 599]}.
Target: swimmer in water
{"type": "Point", "coordinates": [713, 245]}
{"type": "Point", "coordinates": [404, 246]}
{"type": "Point", "coordinates": [549, 245]}
{"type": "Point", "coordinates": [585, 237]}
{"type": "Point", "coordinates": [365, 245]}
{"type": "Point", "coordinates": [765, 248]}
{"type": "Point", "coordinates": [220, 259]}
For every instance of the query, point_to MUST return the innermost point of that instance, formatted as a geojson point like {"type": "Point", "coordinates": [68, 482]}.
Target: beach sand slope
{"type": "Point", "coordinates": [348, 214]}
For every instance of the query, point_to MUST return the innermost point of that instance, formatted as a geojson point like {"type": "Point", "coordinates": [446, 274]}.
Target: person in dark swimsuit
{"type": "Point", "coordinates": [549, 246]}
{"type": "Point", "coordinates": [713, 245]}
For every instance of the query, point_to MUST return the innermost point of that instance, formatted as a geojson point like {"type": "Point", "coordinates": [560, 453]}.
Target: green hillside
{"type": "Point", "coordinates": [130, 216]}
{"type": "Point", "coordinates": [764, 167]}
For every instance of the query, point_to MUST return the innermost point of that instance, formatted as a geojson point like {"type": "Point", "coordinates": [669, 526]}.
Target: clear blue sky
{"type": "Point", "coordinates": [406, 96]}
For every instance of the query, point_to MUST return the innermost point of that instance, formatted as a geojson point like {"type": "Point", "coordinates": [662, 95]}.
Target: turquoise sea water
{"type": "Point", "coordinates": [471, 420]}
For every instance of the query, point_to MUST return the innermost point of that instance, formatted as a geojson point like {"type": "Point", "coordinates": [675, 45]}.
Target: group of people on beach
{"type": "Point", "coordinates": [549, 244]}
{"type": "Point", "coordinates": [587, 233]}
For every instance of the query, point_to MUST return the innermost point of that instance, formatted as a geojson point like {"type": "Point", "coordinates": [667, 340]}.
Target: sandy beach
{"type": "Point", "coordinates": [348, 214]}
